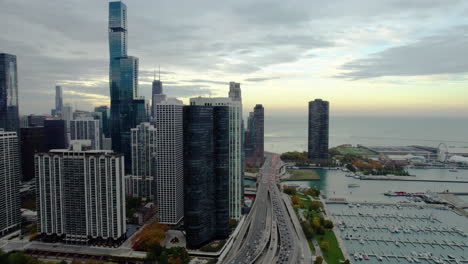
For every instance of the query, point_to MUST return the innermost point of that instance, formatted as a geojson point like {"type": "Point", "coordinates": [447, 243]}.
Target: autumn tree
{"type": "Point", "coordinates": [152, 234]}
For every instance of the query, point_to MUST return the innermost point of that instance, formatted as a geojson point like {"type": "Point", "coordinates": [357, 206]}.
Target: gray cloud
{"type": "Point", "coordinates": [261, 79]}
{"type": "Point", "coordinates": [187, 90]}
{"type": "Point", "coordinates": [438, 54]}
{"type": "Point", "coordinates": [205, 81]}
{"type": "Point", "coordinates": [66, 41]}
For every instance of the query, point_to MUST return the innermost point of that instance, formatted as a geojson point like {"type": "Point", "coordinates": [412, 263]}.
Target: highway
{"type": "Point", "coordinates": [268, 234]}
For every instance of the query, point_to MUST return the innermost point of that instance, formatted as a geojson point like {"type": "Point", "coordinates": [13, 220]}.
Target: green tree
{"type": "Point", "coordinates": [21, 258]}
{"type": "Point", "coordinates": [328, 224]}
{"type": "Point", "coordinates": [346, 262]}
{"type": "Point", "coordinates": [324, 245]}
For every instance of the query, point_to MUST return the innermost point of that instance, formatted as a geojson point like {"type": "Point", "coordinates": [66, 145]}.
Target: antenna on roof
{"type": "Point", "coordinates": [159, 77]}
{"type": "Point", "coordinates": [154, 74]}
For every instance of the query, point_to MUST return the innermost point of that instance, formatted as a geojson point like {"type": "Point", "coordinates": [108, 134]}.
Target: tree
{"type": "Point", "coordinates": [346, 262]}
{"type": "Point", "coordinates": [324, 245]}
{"type": "Point", "coordinates": [290, 190]}
{"type": "Point", "coordinates": [21, 258]}
{"type": "Point", "coordinates": [318, 260]}
{"type": "Point", "coordinates": [315, 205]}
{"type": "Point", "coordinates": [295, 200]}
{"type": "Point", "coordinates": [328, 224]}
{"type": "Point", "coordinates": [151, 235]}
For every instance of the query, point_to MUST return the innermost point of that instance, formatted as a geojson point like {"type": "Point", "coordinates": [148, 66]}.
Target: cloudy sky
{"type": "Point", "coordinates": [364, 56]}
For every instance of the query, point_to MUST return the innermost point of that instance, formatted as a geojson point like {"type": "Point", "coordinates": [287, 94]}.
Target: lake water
{"type": "Point", "coordinates": [287, 133]}
{"type": "Point", "coordinates": [334, 183]}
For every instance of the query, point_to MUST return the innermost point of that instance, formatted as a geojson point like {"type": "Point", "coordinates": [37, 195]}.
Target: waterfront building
{"type": "Point", "coordinates": [10, 175]}
{"type": "Point", "coordinates": [206, 173]}
{"type": "Point", "coordinates": [235, 148]}
{"type": "Point", "coordinates": [104, 111]}
{"type": "Point", "coordinates": [143, 161]}
{"type": "Point", "coordinates": [32, 142]}
{"type": "Point", "coordinates": [127, 109]}
{"type": "Point", "coordinates": [318, 130]}
{"type": "Point", "coordinates": [169, 181]}
{"type": "Point", "coordinates": [55, 132]}
{"type": "Point", "coordinates": [87, 128]}
{"type": "Point", "coordinates": [259, 128]}
{"type": "Point", "coordinates": [9, 116]}
{"type": "Point", "coordinates": [81, 194]}
{"type": "Point", "coordinates": [255, 136]}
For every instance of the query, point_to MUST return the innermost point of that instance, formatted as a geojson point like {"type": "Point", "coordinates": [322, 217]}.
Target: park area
{"type": "Point", "coordinates": [315, 224]}
{"type": "Point", "coordinates": [358, 151]}
{"type": "Point", "coordinates": [302, 174]}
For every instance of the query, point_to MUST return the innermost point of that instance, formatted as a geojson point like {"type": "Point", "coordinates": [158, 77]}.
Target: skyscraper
{"type": "Point", "coordinates": [127, 110]}
{"type": "Point", "coordinates": [58, 99]}
{"type": "Point", "coordinates": [235, 91]}
{"type": "Point", "coordinates": [104, 110]}
{"type": "Point", "coordinates": [32, 141]}
{"type": "Point", "coordinates": [318, 130]}
{"type": "Point", "coordinates": [9, 116]}
{"type": "Point", "coordinates": [80, 194]}
{"type": "Point", "coordinates": [235, 149]}
{"type": "Point", "coordinates": [87, 128]}
{"type": "Point", "coordinates": [258, 141]}
{"type": "Point", "coordinates": [169, 182]}
{"type": "Point", "coordinates": [55, 132]}
{"type": "Point", "coordinates": [10, 217]}
{"type": "Point", "coordinates": [157, 95]}
{"type": "Point", "coordinates": [206, 173]}
{"type": "Point", "coordinates": [143, 161]}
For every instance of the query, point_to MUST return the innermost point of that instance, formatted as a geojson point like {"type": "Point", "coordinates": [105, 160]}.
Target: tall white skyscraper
{"type": "Point", "coordinates": [10, 216]}
{"type": "Point", "coordinates": [87, 128]}
{"type": "Point", "coordinates": [140, 183]}
{"type": "Point", "coordinates": [169, 181]}
{"type": "Point", "coordinates": [81, 194]}
{"type": "Point", "coordinates": [235, 148]}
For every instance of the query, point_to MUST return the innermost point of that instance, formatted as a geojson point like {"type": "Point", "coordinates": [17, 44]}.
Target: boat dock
{"type": "Point", "coordinates": [409, 178]}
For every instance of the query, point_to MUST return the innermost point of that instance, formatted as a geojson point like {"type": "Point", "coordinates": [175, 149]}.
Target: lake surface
{"type": "Point", "coordinates": [334, 183]}
{"type": "Point", "coordinates": [287, 133]}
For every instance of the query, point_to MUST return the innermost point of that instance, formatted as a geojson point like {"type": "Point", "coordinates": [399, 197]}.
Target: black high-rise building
{"type": "Point", "coordinates": [318, 130]}
{"type": "Point", "coordinates": [55, 134]}
{"type": "Point", "coordinates": [206, 173]}
{"type": "Point", "coordinates": [254, 136]}
{"type": "Point", "coordinates": [258, 141]}
{"type": "Point", "coordinates": [9, 116]}
{"type": "Point", "coordinates": [32, 142]}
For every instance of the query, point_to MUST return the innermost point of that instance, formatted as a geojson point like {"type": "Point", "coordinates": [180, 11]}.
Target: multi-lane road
{"type": "Point", "coordinates": [268, 234]}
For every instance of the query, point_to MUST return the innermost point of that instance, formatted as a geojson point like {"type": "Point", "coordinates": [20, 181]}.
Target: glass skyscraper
{"type": "Point", "coordinates": [318, 130]}
{"type": "Point", "coordinates": [206, 173]}
{"type": "Point", "coordinates": [127, 110]}
{"type": "Point", "coordinates": [9, 116]}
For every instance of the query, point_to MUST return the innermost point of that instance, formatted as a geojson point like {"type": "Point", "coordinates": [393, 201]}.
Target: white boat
{"type": "Point", "coordinates": [353, 185]}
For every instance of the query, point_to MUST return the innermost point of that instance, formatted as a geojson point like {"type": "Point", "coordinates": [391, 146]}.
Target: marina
{"type": "Point", "coordinates": [394, 233]}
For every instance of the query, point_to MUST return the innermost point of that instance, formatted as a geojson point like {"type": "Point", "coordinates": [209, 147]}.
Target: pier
{"type": "Point", "coordinates": [408, 178]}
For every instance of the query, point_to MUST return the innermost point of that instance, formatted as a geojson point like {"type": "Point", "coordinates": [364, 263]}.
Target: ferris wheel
{"type": "Point", "coordinates": [442, 152]}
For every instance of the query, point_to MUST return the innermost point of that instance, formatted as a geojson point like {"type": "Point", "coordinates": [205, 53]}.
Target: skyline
{"type": "Point", "coordinates": [389, 60]}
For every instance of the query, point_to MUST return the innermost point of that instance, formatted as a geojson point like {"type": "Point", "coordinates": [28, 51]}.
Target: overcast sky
{"type": "Point", "coordinates": [364, 56]}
